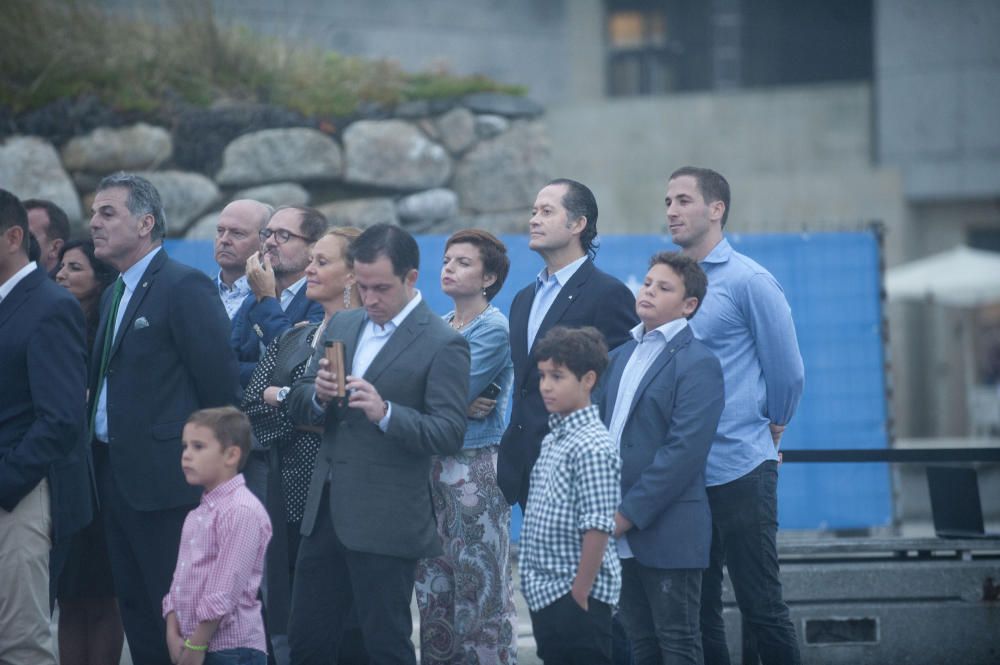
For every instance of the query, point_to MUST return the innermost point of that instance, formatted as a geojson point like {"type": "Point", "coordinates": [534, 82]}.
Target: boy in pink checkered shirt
{"type": "Point", "coordinates": [212, 611]}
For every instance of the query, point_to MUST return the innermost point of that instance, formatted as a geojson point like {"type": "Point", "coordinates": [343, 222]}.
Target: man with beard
{"type": "Point", "coordinates": [277, 279]}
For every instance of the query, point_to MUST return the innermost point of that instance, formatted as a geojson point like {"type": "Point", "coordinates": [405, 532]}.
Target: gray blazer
{"type": "Point", "coordinates": [664, 446]}
{"type": "Point", "coordinates": [380, 499]}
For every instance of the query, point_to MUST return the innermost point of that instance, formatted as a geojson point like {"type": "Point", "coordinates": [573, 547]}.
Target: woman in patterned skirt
{"type": "Point", "coordinates": [466, 596]}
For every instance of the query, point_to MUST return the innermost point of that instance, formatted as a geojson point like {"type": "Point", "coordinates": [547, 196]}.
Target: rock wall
{"type": "Point", "coordinates": [432, 167]}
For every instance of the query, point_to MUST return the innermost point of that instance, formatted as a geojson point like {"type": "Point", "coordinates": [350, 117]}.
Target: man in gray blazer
{"type": "Point", "coordinates": [368, 518]}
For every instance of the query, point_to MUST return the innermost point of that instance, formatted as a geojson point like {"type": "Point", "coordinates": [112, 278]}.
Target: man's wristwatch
{"type": "Point", "coordinates": [282, 394]}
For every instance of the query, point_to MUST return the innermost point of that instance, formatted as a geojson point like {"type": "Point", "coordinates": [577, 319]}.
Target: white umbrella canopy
{"type": "Point", "coordinates": [961, 277]}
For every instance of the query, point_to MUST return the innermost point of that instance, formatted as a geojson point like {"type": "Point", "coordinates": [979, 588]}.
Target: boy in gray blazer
{"type": "Point", "coordinates": [661, 402]}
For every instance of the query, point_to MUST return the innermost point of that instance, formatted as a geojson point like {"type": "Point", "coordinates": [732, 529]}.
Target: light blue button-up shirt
{"type": "Point", "coordinates": [131, 278]}
{"type": "Point", "coordinates": [746, 322]}
{"type": "Point", "coordinates": [233, 296]}
{"type": "Point", "coordinates": [547, 287]}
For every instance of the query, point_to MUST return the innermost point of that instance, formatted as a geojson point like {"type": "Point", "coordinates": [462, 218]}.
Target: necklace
{"type": "Point", "coordinates": [458, 323]}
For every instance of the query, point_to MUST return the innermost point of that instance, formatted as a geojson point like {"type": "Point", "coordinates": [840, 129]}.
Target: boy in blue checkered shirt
{"type": "Point", "coordinates": [569, 576]}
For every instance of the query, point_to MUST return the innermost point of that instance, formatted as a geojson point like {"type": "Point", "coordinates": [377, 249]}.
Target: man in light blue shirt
{"type": "Point", "coordinates": [746, 321]}
{"type": "Point", "coordinates": [236, 240]}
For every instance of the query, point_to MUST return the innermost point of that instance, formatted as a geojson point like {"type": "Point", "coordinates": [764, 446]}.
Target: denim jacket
{"type": "Point", "coordinates": [488, 336]}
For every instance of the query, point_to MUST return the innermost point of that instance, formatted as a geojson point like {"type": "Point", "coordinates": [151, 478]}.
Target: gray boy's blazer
{"type": "Point", "coordinates": [380, 499]}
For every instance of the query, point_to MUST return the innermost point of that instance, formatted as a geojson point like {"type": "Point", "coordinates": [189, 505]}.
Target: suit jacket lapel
{"type": "Point", "coordinates": [520, 309]}
{"type": "Point", "coordinates": [615, 378]}
{"type": "Point", "coordinates": [567, 294]}
{"type": "Point", "coordinates": [400, 340]}
{"type": "Point", "coordinates": [680, 340]}
{"type": "Point", "coordinates": [141, 289]}
{"type": "Point", "coordinates": [19, 295]}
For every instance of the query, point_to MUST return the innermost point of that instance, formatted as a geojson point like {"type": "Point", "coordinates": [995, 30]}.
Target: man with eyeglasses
{"type": "Point", "coordinates": [276, 276]}
{"type": "Point", "coordinates": [237, 238]}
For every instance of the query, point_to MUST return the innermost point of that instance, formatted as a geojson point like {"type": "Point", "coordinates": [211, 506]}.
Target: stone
{"type": "Point", "coordinates": [457, 128]}
{"type": "Point", "coordinates": [511, 106]}
{"type": "Point", "coordinates": [279, 155]}
{"type": "Point", "coordinates": [204, 228]}
{"type": "Point", "coordinates": [361, 213]}
{"type": "Point", "coordinates": [505, 172]}
{"type": "Point", "coordinates": [428, 127]}
{"type": "Point", "coordinates": [185, 196]}
{"type": "Point", "coordinates": [30, 169]}
{"type": "Point", "coordinates": [416, 108]}
{"type": "Point", "coordinates": [489, 125]}
{"type": "Point", "coordinates": [278, 194]}
{"type": "Point", "coordinates": [497, 223]}
{"type": "Point", "coordinates": [393, 154]}
{"type": "Point", "coordinates": [432, 204]}
{"type": "Point", "coordinates": [106, 150]}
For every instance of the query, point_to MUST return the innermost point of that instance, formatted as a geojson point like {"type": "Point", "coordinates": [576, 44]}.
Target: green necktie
{"type": "Point", "coordinates": [109, 336]}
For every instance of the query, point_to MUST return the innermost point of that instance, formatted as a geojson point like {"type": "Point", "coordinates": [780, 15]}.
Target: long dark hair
{"type": "Point", "coordinates": [103, 273]}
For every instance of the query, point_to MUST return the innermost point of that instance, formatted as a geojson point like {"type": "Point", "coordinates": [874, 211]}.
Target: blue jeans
{"type": "Point", "coordinates": [659, 608]}
{"type": "Point", "coordinates": [744, 538]}
{"type": "Point", "coordinates": [238, 656]}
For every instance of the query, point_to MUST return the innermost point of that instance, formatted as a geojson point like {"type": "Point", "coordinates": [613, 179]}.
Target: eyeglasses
{"type": "Point", "coordinates": [281, 236]}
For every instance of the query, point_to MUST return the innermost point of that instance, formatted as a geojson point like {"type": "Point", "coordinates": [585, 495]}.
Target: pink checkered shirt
{"type": "Point", "coordinates": [219, 567]}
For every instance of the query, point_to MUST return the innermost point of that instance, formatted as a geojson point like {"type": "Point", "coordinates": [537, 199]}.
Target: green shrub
{"type": "Point", "coordinates": [51, 49]}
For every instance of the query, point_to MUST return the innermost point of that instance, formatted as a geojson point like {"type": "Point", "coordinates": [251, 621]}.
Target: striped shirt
{"type": "Point", "coordinates": [219, 567]}
{"type": "Point", "coordinates": [575, 487]}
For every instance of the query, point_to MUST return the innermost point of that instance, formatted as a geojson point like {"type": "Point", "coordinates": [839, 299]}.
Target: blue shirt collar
{"type": "Point", "coordinates": [721, 253]}
{"type": "Point", "coordinates": [132, 276]}
{"type": "Point", "coordinates": [562, 275]}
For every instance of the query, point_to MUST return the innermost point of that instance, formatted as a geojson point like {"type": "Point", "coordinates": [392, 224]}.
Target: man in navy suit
{"type": "Point", "coordinates": [44, 477]}
{"type": "Point", "coordinates": [569, 291]}
{"type": "Point", "coordinates": [160, 353]}
{"type": "Point", "coordinates": [277, 279]}
{"type": "Point", "coordinates": [661, 401]}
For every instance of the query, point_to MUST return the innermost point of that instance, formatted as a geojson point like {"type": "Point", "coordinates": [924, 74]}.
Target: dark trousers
{"type": "Point", "coordinates": [566, 634]}
{"type": "Point", "coordinates": [330, 580]}
{"type": "Point", "coordinates": [659, 608]}
{"type": "Point", "coordinates": [744, 535]}
{"type": "Point", "coordinates": [142, 546]}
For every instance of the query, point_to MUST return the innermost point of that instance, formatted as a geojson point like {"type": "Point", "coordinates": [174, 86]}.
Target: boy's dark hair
{"type": "Point", "coordinates": [58, 221]}
{"type": "Point", "coordinates": [712, 185]}
{"type": "Point", "coordinates": [492, 252]}
{"type": "Point", "coordinates": [694, 278]}
{"type": "Point", "coordinates": [579, 202]}
{"type": "Point", "coordinates": [390, 241]}
{"type": "Point", "coordinates": [579, 349]}
{"type": "Point", "coordinates": [229, 425]}
{"type": "Point", "coordinates": [12, 213]}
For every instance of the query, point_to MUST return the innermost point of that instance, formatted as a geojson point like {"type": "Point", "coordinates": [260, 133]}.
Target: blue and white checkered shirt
{"type": "Point", "coordinates": [575, 487]}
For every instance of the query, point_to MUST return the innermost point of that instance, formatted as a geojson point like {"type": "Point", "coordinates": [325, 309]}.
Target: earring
{"type": "Point", "coordinates": [347, 297]}
{"type": "Point", "coordinates": [484, 291]}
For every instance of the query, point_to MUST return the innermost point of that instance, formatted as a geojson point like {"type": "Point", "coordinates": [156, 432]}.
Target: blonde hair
{"type": "Point", "coordinates": [347, 234]}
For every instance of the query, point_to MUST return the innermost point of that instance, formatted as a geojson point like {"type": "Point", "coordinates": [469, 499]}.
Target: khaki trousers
{"type": "Point", "coordinates": [25, 541]}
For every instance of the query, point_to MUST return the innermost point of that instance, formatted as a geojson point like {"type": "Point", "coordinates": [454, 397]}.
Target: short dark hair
{"type": "Point", "coordinates": [58, 221]}
{"type": "Point", "coordinates": [314, 223]}
{"type": "Point", "coordinates": [143, 199]}
{"type": "Point", "coordinates": [580, 349]}
{"type": "Point", "coordinates": [712, 185]}
{"type": "Point", "coordinates": [104, 273]}
{"type": "Point", "coordinates": [12, 213]}
{"type": "Point", "coordinates": [492, 252]}
{"type": "Point", "coordinates": [579, 201]}
{"type": "Point", "coordinates": [229, 425]}
{"type": "Point", "coordinates": [694, 278]}
{"type": "Point", "coordinates": [390, 241]}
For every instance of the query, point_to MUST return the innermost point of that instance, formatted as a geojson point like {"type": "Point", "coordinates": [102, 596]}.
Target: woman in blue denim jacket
{"type": "Point", "coordinates": [466, 596]}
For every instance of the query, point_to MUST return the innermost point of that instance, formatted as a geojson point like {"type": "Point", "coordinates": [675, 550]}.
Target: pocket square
{"type": "Point", "coordinates": [140, 323]}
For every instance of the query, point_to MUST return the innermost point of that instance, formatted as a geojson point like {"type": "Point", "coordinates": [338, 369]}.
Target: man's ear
{"type": "Point", "coordinates": [411, 278]}
{"type": "Point", "coordinates": [716, 209]}
{"type": "Point", "coordinates": [57, 246]}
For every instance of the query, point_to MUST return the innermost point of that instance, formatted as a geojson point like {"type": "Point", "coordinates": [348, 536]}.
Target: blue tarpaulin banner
{"type": "Point", "coordinates": [832, 282]}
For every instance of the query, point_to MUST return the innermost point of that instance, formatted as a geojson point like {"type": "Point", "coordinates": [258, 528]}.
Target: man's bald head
{"type": "Point", "coordinates": [236, 236]}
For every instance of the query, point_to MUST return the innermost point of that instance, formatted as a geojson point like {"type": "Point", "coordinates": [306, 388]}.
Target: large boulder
{"type": "Point", "coordinates": [505, 172]}
{"type": "Point", "coordinates": [277, 155]}
{"type": "Point", "coordinates": [393, 154]}
{"type": "Point", "coordinates": [107, 150]}
{"type": "Point", "coordinates": [430, 205]}
{"type": "Point", "coordinates": [489, 125]}
{"type": "Point", "coordinates": [361, 213]}
{"type": "Point", "coordinates": [204, 228]}
{"type": "Point", "coordinates": [30, 169]}
{"type": "Point", "coordinates": [278, 194]}
{"type": "Point", "coordinates": [185, 196]}
{"type": "Point", "coordinates": [457, 129]}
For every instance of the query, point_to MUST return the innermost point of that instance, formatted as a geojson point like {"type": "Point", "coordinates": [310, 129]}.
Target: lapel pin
{"type": "Point", "coordinates": [145, 284]}
{"type": "Point", "coordinates": [570, 297]}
